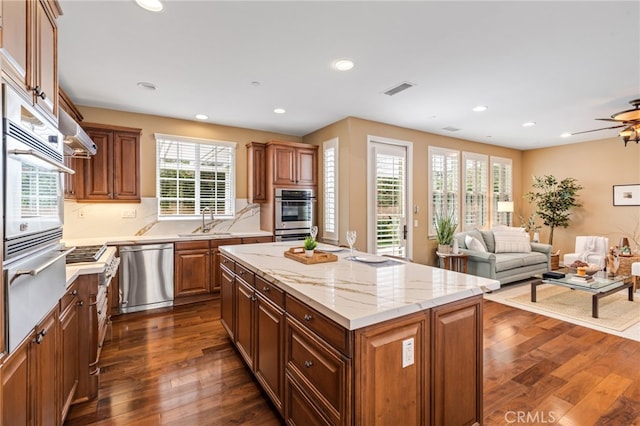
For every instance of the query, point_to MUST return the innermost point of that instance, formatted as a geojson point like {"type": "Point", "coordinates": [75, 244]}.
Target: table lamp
{"type": "Point", "coordinates": [506, 207]}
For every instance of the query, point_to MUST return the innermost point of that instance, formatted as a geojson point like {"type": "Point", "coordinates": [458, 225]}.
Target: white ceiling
{"type": "Point", "coordinates": [560, 64]}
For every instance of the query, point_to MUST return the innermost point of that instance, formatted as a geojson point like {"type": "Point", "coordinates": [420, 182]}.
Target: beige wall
{"type": "Point", "coordinates": [597, 166]}
{"type": "Point", "coordinates": [353, 132]}
{"type": "Point", "coordinates": [151, 124]}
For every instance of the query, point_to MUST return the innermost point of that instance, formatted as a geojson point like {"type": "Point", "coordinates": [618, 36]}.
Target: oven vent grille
{"type": "Point", "coordinates": [19, 133]}
{"type": "Point", "coordinates": [26, 244]}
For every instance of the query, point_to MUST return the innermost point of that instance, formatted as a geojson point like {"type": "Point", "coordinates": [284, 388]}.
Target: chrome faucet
{"type": "Point", "coordinates": [204, 225]}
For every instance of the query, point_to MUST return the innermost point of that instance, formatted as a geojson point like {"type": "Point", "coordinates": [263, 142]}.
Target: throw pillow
{"type": "Point", "coordinates": [489, 241]}
{"type": "Point", "coordinates": [474, 244]}
{"type": "Point", "coordinates": [511, 240]}
{"type": "Point", "coordinates": [474, 233]}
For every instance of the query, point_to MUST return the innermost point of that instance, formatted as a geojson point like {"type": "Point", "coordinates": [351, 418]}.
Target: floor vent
{"type": "Point", "coordinates": [399, 88]}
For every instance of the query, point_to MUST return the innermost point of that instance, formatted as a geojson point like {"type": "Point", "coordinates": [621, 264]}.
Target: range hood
{"type": "Point", "coordinates": [76, 141]}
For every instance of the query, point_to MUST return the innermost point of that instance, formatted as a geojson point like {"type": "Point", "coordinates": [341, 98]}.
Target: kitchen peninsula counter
{"type": "Point", "coordinates": [356, 343]}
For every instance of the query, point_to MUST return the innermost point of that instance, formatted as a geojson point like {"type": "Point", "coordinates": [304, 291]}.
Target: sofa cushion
{"type": "Point", "coordinates": [477, 235]}
{"type": "Point", "coordinates": [489, 241]}
{"type": "Point", "coordinates": [473, 243]}
{"type": "Point", "coordinates": [511, 240]}
{"type": "Point", "coordinates": [507, 261]}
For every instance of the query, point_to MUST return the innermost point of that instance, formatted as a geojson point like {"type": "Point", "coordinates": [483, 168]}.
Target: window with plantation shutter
{"type": "Point", "coordinates": [330, 188]}
{"type": "Point", "coordinates": [475, 206]}
{"type": "Point", "coordinates": [444, 189]}
{"type": "Point", "coordinates": [193, 174]}
{"type": "Point", "coordinates": [502, 188]}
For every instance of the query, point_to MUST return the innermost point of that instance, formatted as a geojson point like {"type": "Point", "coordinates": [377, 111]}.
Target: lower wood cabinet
{"type": "Point", "coordinates": [16, 385]}
{"type": "Point", "coordinates": [423, 368]}
{"type": "Point", "coordinates": [192, 273]}
{"type": "Point", "coordinates": [69, 347]}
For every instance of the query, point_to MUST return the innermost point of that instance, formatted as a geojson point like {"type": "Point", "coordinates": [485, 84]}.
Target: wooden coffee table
{"type": "Point", "coordinates": [600, 287]}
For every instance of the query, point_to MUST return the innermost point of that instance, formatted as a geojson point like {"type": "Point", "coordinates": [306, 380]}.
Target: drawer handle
{"type": "Point", "coordinates": [81, 303]}
{"type": "Point", "coordinates": [100, 312]}
{"type": "Point", "coordinates": [308, 364]}
{"type": "Point", "coordinates": [308, 317]}
{"type": "Point", "coordinates": [266, 289]}
{"type": "Point", "coordinates": [74, 293]}
{"type": "Point", "coordinates": [253, 298]}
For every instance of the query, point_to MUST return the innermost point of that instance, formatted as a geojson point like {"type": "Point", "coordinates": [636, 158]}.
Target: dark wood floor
{"type": "Point", "coordinates": [176, 366]}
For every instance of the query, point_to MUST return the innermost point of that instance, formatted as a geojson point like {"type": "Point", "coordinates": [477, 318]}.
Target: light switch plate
{"type": "Point", "coordinates": [408, 352]}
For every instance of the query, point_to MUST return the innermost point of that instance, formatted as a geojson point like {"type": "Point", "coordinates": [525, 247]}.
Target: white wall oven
{"type": "Point", "coordinates": [295, 211]}
{"type": "Point", "coordinates": [33, 192]}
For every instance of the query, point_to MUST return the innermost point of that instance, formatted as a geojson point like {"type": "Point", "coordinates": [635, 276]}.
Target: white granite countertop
{"type": "Point", "coordinates": [356, 294]}
{"type": "Point", "coordinates": [149, 239]}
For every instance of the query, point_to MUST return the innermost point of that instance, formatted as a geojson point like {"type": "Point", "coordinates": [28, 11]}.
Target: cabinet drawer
{"type": "Point", "coordinates": [323, 372]}
{"type": "Point", "coordinates": [245, 274]}
{"type": "Point", "coordinates": [227, 263]}
{"type": "Point", "coordinates": [300, 410]}
{"type": "Point", "coordinates": [255, 240]}
{"type": "Point", "coordinates": [191, 245]}
{"type": "Point", "coordinates": [334, 334]}
{"type": "Point", "coordinates": [70, 296]}
{"type": "Point", "coordinates": [226, 242]}
{"type": "Point", "coordinates": [270, 292]}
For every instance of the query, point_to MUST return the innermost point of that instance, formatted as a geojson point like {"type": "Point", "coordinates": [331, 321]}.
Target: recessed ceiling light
{"type": "Point", "coordinates": [480, 108]}
{"type": "Point", "coordinates": [202, 116]}
{"type": "Point", "coordinates": [565, 135]}
{"type": "Point", "coordinates": [150, 5]}
{"type": "Point", "coordinates": [147, 85]}
{"type": "Point", "coordinates": [279, 110]}
{"type": "Point", "coordinates": [343, 64]}
{"type": "Point", "coordinates": [529, 124]}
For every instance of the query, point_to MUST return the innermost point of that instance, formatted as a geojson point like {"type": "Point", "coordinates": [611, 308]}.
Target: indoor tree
{"type": "Point", "coordinates": [554, 200]}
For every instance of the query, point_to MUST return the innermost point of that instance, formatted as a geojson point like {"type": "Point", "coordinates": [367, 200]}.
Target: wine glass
{"type": "Point", "coordinates": [313, 231]}
{"type": "Point", "coordinates": [351, 239]}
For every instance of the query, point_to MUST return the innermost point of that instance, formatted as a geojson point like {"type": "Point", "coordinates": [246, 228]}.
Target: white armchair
{"type": "Point", "coordinates": [589, 249]}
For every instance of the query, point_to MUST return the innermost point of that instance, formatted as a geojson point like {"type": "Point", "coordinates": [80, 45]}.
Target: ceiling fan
{"type": "Point", "coordinates": [629, 119]}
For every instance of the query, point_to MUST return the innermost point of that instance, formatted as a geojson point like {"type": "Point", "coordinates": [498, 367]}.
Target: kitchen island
{"type": "Point", "coordinates": [351, 342]}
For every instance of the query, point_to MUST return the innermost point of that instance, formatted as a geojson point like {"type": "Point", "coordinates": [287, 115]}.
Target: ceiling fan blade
{"type": "Point", "coordinates": [597, 130]}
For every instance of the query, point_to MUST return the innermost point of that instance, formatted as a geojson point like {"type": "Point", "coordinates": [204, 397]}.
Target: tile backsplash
{"type": "Point", "coordinates": [82, 220]}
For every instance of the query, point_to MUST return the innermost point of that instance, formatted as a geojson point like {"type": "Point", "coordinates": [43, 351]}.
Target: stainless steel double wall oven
{"type": "Point", "coordinates": [295, 213]}
{"type": "Point", "coordinates": [33, 264]}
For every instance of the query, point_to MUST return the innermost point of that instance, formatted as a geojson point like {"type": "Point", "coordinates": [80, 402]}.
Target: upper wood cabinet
{"type": "Point", "coordinates": [279, 163]}
{"type": "Point", "coordinates": [113, 174]}
{"type": "Point", "coordinates": [29, 37]}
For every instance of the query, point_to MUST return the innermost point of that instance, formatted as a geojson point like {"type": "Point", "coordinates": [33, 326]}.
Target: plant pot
{"type": "Point", "coordinates": [536, 237]}
{"type": "Point", "coordinates": [555, 261]}
{"type": "Point", "coordinates": [308, 253]}
{"type": "Point", "coordinates": [444, 248]}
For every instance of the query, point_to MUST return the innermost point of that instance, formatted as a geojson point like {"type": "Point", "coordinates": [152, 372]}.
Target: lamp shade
{"type": "Point", "coordinates": [505, 206]}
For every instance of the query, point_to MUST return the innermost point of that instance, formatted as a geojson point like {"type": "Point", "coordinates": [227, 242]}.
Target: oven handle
{"type": "Point", "coordinates": [60, 167]}
{"type": "Point", "coordinates": [36, 271]}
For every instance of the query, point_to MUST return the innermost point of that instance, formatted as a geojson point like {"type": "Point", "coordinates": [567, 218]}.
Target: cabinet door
{"type": "Point", "coordinates": [227, 300]}
{"type": "Point", "coordinates": [269, 364]}
{"type": "Point", "coordinates": [245, 298]}
{"type": "Point", "coordinates": [192, 272]}
{"type": "Point", "coordinates": [15, 386]}
{"type": "Point", "coordinates": [215, 270]}
{"type": "Point", "coordinates": [44, 359]}
{"type": "Point", "coordinates": [98, 170]}
{"type": "Point", "coordinates": [126, 163]}
{"type": "Point", "coordinates": [256, 172]}
{"type": "Point", "coordinates": [15, 39]}
{"type": "Point", "coordinates": [284, 172]}
{"type": "Point", "coordinates": [457, 380]}
{"type": "Point", "coordinates": [45, 79]}
{"type": "Point", "coordinates": [69, 361]}
{"type": "Point", "coordinates": [70, 187]}
{"type": "Point", "coordinates": [306, 166]}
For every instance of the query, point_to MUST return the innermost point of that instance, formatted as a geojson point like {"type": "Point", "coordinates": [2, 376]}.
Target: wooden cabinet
{"type": "Point", "coordinates": [227, 295]}
{"type": "Point", "coordinates": [244, 311]}
{"type": "Point", "coordinates": [256, 172]}
{"type": "Point", "coordinates": [456, 348]}
{"type": "Point", "coordinates": [29, 37]}
{"type": "Point", "coordinates": [70, 185]}
{"type": "Point", "coordinates": [113, 174]}
{"type": "Point", "coordinates": [192, 268]}
{"type": "Point", "coordinates": [29, 377]}
{"type": "Point", "coordinates": [68, 348]}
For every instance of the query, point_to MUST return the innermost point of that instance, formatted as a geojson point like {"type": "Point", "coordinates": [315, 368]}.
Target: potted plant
{"type": "Point", "coordinates": [446, 224]}
{"type": "Point", "coordinates": [554, 200]}
{"type": "Point", "coordinates": [310, 244]}
{"type": "Point", "coordinates": [530, 225]}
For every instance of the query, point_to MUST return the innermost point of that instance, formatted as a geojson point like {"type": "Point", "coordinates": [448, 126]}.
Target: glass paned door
{"type": "Point", "coordinates": [389, 163]}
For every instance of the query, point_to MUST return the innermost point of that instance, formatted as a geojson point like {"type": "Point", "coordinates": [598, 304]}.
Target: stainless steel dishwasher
{"type": "Point", "coordinates": [146, 277]}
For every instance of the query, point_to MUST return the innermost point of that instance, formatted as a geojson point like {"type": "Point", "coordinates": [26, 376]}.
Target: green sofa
{"type": "Point", "coordinates": [504, 267]}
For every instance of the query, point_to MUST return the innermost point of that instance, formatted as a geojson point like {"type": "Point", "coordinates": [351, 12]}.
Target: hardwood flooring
{"type": "Point", "coordinates": [177, 366]}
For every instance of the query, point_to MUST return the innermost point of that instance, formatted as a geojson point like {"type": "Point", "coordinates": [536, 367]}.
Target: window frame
{"type": "Point", "coordinates": [333, 196]}
{"type": "Point", "coordinates": [505, 195]}
{"type": "Point", "coordinates": [446, 152]}
{"type": "Point", "coordinates": [197, 143]}
{"type": "Point", "coordinates": [482, 220]}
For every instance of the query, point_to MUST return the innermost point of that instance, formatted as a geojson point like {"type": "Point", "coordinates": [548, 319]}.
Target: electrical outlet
{"type": "Point", "coordinates": [408, 355]}
{"type": "Point", "coordinates": [129, 214]}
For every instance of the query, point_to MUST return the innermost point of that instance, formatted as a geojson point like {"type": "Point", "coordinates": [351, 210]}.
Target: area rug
{"type": "Point", "coordinates": [614, 311]}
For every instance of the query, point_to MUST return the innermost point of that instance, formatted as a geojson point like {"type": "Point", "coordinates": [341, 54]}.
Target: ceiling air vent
{"type": "Point", "coordinates": [450, 129]}
{"type": "Point", "coordinates": [399, 88]}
